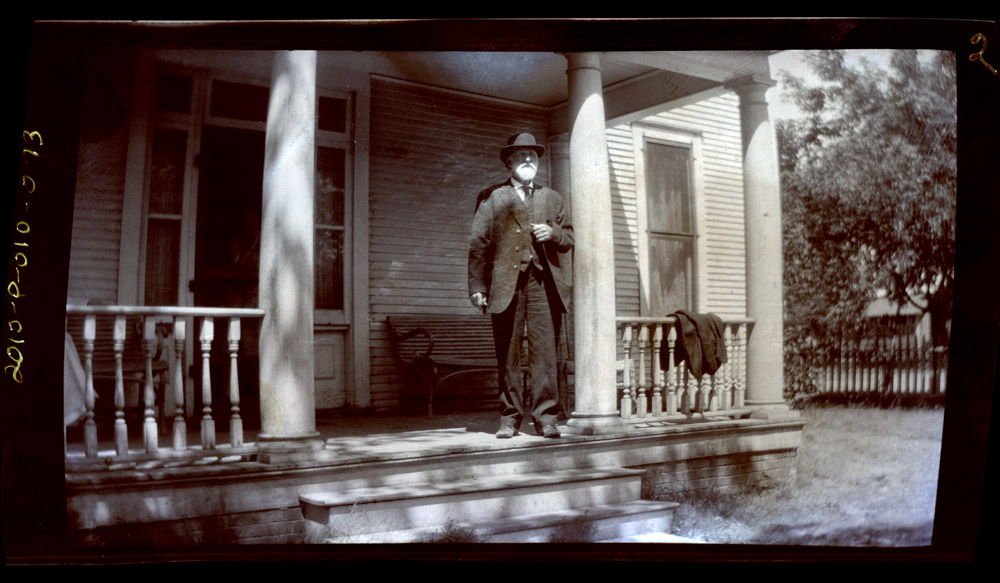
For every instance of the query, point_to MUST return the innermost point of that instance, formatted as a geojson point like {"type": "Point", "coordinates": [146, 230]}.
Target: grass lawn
{"type": "Point", "coordinates": [866, 477]}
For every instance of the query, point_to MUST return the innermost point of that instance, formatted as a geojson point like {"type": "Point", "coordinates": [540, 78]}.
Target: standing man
{"type": "Point", "coordinates": [520, 273]}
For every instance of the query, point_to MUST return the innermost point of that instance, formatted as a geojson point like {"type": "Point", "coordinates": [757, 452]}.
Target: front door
{"type": "Point", "coordinates": [227, 247]}
{"type": "Point", "coordinates": [202, 218]}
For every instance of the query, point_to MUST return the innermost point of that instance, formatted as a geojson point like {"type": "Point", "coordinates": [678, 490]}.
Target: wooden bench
{"type": "Point", "coordinates": [434, 348]}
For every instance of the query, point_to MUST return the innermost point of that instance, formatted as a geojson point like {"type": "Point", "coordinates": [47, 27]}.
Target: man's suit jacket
{"type": "Point", "coordinates": [501, 238]}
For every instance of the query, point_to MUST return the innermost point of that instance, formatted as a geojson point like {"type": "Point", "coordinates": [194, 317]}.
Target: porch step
{"type": "Point", "coordinates": [604, 502]}
{"type": "Point", "coordinates": [608, 522]}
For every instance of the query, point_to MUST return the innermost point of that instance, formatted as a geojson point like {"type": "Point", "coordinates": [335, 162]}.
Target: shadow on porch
{"type": "Point", "coordinates": [349, 439]}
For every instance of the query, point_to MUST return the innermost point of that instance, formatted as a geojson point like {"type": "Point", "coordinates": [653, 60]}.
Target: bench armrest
{"type": "Point", "coordinates": [399, 339]}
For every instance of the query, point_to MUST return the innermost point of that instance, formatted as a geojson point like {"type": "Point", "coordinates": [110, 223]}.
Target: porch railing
{"type": "Point", "coordinates": [178, 319]}
{"type": "Point", "coordinates": [648, 391]}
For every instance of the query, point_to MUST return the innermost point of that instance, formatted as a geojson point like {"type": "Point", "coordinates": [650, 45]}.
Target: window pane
{"type": "Point", "coordinates": [166, 183]}
{"type": "Point", "coordinates": [667, 188]}
{"type": "Point", "coordinates": [332, 114]}
{"type": "Point", "coordinates": [330, 186]}
{"type": "Point", "coordinates": [173, 93]}
{"type": "Point", "coordinates": [329, 269]}
{"type": "Point", "coordinates": [671, 274]}
{"type": "Point", "coordinates": [163, 238]}
{"type": "Point", "coordinates": [239, 101]}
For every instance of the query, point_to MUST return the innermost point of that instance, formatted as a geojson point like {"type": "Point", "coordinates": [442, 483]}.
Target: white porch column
{"type": "Point", "coordinates": [286, 251]}
{"type": "Point", "coordinates": [595, 408]}
{"type": "Point", "coordinates": [762, 200]}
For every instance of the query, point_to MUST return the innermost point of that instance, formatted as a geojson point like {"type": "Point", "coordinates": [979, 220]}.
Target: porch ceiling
{"type": "Point", "coordinates": [539, 78]}
{"type": "Point", "coordinates": [534, 78]}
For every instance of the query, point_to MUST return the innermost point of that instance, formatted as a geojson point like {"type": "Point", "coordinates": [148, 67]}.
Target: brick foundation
{"type": "Point", "coordinates": [726, 473]}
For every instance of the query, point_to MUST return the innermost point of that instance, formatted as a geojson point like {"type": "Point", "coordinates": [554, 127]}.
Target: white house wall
{"type": "Point", "coordinates": [97, 207]}
{"type": "Point", "coordinates": [431, 153]}
{"type": "Point", "coordinates": [722, 271]}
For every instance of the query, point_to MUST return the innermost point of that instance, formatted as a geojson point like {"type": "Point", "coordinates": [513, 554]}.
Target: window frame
{"type": "Point", "coordinates": [643, 133]}
{"type": "Point", "coordinates": [344, 141]}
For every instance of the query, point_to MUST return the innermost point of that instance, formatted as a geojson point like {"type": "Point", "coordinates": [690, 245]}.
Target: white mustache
{"type": "Point", "coordinates": [526, 171]}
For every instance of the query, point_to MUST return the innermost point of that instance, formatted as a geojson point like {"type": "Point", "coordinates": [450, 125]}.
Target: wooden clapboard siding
{"type": "Point", "coordinates": [723, 223]}
{"type": "Point", "coordinates": [431, 153]}
{"type": "Point", "coordinates": [623, 208]}
{"type": "Point", "coordinates": [97, 207]}
{"type": "Point", "coordinates": [721, 240]}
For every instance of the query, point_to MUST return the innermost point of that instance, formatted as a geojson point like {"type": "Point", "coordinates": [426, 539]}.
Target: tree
{"type": "Point", "coordinates": [868, 179]}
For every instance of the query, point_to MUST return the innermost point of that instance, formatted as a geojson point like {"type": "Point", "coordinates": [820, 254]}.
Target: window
{"type": "Point", "coordinates": [330, 228]}
{"type": "Point", "coordinates": [169, 155]}
{"type": "Point", "coordinates": [668, 219]}
{"type": "Point", "coordinates": [332, 208]}
{"type": "Point", "coordinates": [670, 227]}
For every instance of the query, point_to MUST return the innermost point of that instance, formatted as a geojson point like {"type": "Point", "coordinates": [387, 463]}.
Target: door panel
{"type": "Point", "coordinates": [231, 173]}
{"type": "Point", "coordinates": [227, 250]}
{"type": "Point", "coordinates": [331, 388]}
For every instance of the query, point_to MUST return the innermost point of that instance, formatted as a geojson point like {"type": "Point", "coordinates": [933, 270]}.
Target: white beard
{"type": "Point", "coordinates": [525, 173]}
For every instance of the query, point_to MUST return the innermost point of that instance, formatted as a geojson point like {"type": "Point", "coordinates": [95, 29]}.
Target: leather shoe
{"type": "Point", "coordinates": [550, 431]}
{"type": "Point", "coordinates": [506, 432]}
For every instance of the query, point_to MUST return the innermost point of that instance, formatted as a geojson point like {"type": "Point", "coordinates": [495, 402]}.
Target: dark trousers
{"type": "Point", "coordinates": [531, 306]}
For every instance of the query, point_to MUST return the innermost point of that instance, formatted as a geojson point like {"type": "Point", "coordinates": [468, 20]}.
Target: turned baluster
{"type": "Point", "coordinates": [711, 388]}
{"type": "Point", "coordinates": [207, 423]}
{"type": "Point", "coordinates": [149, 429]}
{"type": "Point", "coordinates": [626, 411]}
{"type": "Point", "coordinates": [640, 403]}
{"type": "Point", "coordinates": [726, 394]}
{"type": "Point", "coordinates": [696, 390]}
{"type": "Point", "coordinates": [672, 378]}
{"type": "Point", "coordinates": [705, 384]}
{"type": "Point", "coordinates": [121, 430]}
{"type": "Point", "coordinates": [89, 426]}
{"type": "Point", "coordinates": [683, 385]}
{"type": "Point", "coordinates": [657, 404]}
{"type": "Point", "coordinates": [740, 368]}
{"type": "Point", "coordinates": [235, 421]}
{"type": "Point", "coordinates": [180, 425]}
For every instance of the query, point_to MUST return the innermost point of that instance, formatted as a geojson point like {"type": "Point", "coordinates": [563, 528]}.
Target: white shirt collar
{"type": "Point", "coordinates": [518, 186]}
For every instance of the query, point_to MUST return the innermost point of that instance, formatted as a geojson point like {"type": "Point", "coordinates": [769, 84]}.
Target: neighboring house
{"type": "Point", "coordinates": [321, 192]}
{"type": "Point", "coordinates": [894, 319]}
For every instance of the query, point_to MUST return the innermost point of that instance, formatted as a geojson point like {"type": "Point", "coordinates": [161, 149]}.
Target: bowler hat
{"type": "Point", "coordinates": [521, 142]}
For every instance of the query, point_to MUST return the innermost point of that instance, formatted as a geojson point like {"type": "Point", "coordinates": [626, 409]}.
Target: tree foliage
{"type": "Point", "coordinates": [869, 187]}
{"type": "Point", "coordinates": [868, 178]}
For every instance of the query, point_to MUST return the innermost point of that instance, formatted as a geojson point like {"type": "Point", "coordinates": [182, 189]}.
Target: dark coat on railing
{"type": "Point", "coordinates": [700, 342]}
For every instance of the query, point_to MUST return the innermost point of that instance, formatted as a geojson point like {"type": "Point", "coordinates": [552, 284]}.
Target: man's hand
{"type": "Point", "coordinates": [478, 301]}
{"type": "Point", "coordinates": [541, 232]}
